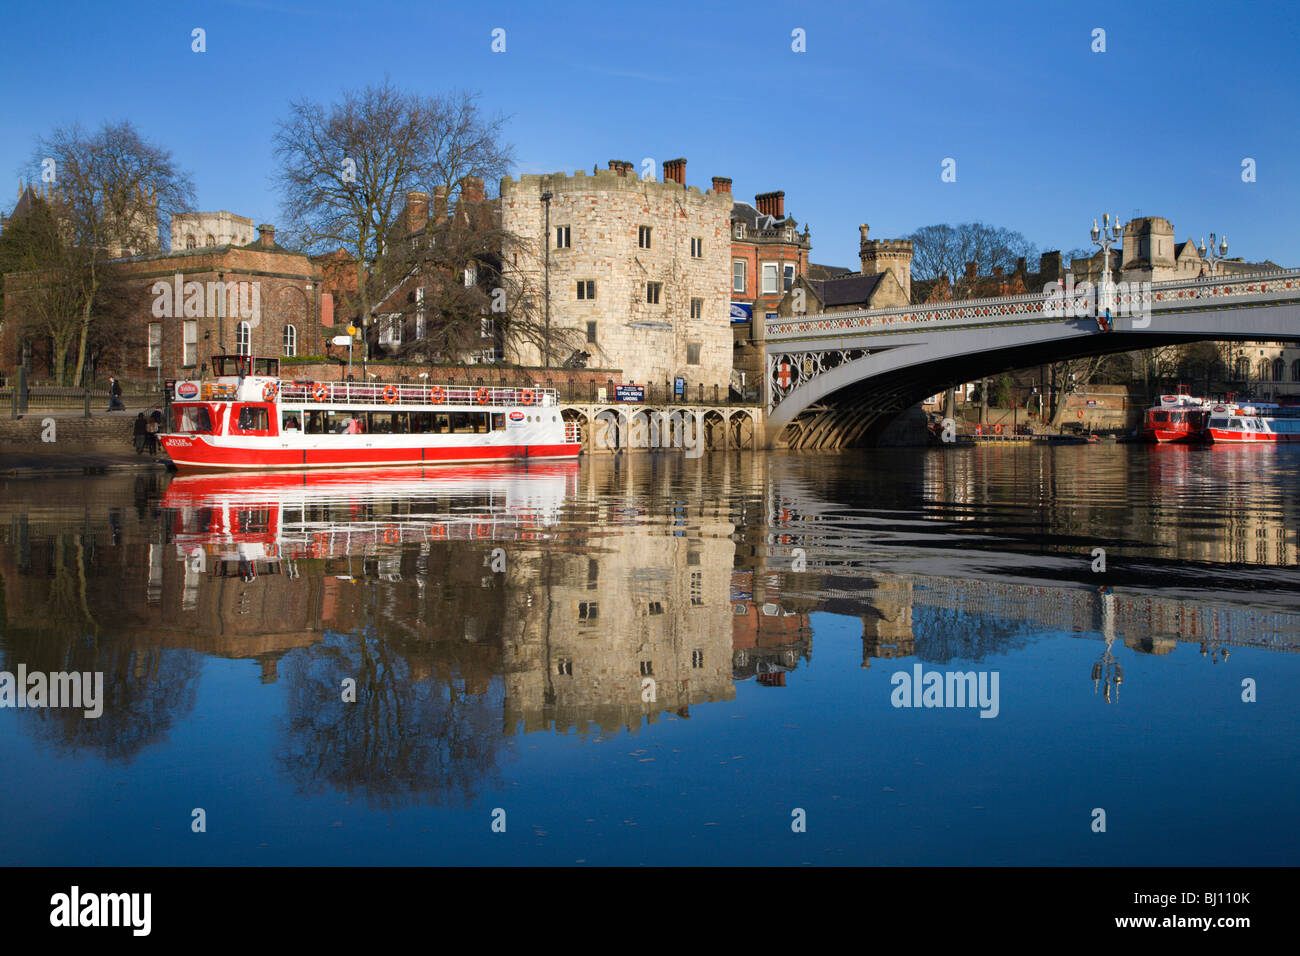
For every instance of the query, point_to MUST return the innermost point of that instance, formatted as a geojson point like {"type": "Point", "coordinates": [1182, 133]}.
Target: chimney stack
{"type": "Point", "coordinates": [471, 190]}
{"type": "Point", "coordinates": [771, 204]}
{"type": "Point", "coordinates": [417, 210]}
{"type": "Point", "coordinates": [266, 236]}
{"type": "Point", "coordinates": [971, 271]}
{"type": "Point", "coordinates": [675, 170]}
{"type": "Point", "coordinates": [721, 184]}
{"type": "Point", "coordinates": [620, 166]}
{"type": "Point", "coordinates": [439, 203]}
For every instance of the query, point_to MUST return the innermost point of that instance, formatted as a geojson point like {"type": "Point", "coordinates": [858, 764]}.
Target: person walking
{"type": "Point", "coordinates": [151, 434]}
{"type": "Point", "coordinates": [138, 433]}
{"type": "Point", "coordinates": [115, 395]}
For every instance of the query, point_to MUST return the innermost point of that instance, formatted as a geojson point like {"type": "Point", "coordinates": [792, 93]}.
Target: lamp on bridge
{"type": "Point", "coordinates": [1208, 254]}
{"type": "Point", "coordinates": [1105, 237]}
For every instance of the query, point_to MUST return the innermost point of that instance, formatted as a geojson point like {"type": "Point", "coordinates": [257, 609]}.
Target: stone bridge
{"type": "Point", "coordinates": [836, 379]}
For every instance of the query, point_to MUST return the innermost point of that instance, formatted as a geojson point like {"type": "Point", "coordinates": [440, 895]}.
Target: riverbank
{"type": "Point", "coordinates": [70, 443]}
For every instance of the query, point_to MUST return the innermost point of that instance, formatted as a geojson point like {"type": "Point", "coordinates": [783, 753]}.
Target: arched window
{"type": "Point", "coordinates": [190, 242]}
{"type": "Point", "coordinates": [212, 241]}
{"type": "Point", "coordinates": [1265, 367]}
{"type": "Point", "coordinates": [1295, 371]}
{"type": "Point", "coordinates": [244, 339]}
{"type": "Point", "coordinates": [290, 340]}
{"type": "Point", "coordinates": [1243, 368]}
{"type": "Point", "coordinates": [1279, 370]}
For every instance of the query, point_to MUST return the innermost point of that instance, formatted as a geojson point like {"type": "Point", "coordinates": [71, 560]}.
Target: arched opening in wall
{"type": "Point", "coordinates": [575, 419]}
{"type": "Point", "coordinates": [715, 430]}
{"type": "Point", "coordinates": [290, 340]}
{"type": "Point", "coordinates": [191, 242]}
{"type": "Point", "coordinates": [292, 310]}
{"type": "Point", "coordinates": [1279, 370]}
{"type": "Point", "coordinates": [741, 425]}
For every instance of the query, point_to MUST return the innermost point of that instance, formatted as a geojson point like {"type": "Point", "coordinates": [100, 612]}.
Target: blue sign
{"type": "Point", "coordinates": [679, 386]}
{"type": "Point", "coordinates": [629, 393]}
{"type": "Point", "coordinates": [741, 312]}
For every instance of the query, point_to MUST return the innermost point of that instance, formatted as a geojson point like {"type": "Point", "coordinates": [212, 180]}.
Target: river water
{"type": "Point", "coordinates": [659, 660]}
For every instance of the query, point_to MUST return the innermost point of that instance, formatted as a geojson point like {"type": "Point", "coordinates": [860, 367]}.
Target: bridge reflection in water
{"type": "Point", "coordinates": [474, 605]}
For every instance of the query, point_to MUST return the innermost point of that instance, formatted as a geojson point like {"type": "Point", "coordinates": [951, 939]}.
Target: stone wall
{"type": "Point", "coordinates": [603, 213]}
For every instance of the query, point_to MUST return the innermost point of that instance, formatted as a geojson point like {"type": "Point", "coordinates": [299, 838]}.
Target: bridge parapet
{"type": "Point", "coordinates": [1031, 307]}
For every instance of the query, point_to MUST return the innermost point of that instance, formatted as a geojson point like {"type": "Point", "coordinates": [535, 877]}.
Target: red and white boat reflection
{"type": "Point", "coordinates": [252, 516]}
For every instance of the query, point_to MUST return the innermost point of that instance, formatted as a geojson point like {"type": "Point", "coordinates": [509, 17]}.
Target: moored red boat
{"type": "Point", "coordinates": [247, 418]}
{"type": "Point", "coordinates": [1253, 424]}
{"type": "Point", "coordinates": [1178, 418]}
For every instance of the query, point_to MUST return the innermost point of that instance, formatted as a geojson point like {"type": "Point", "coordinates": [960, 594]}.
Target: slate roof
{"type": "Point", "coordinates": [854, 289]}
{"type": "Point", "coordinates": [752, 218]}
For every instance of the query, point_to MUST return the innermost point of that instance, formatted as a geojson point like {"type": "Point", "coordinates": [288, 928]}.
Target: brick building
{"type": "Point", "coordinates": [639, 270]}
{"type": "Point", "coordinates": [884, 280]}
{"type": "Point", "coordinates": [175, 310]}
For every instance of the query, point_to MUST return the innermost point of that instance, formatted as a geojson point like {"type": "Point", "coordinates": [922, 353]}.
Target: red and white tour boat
{"type": "Point", "coordinates": [1178, 418]}
{"type": "Point", "coordinates": [1253, 424]}
{"type": "Point", "coordinates": [246, 417]}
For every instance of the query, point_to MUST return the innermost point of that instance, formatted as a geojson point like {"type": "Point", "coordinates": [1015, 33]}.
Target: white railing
{"type": "Point", "coordinates": [380, 393]}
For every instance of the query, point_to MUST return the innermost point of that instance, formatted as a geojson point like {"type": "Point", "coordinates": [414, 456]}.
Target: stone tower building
{"type": "Point", "coordinates": [887, 255]}
{"type": "Point", "coordinates": [1149, 252]}
{"type": "Point", "coordinates": [639, 271]}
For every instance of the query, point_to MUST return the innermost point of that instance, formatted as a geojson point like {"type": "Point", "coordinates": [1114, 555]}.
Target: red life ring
{"type": "Point", "coordinates": [435, 395]}
{"type": "Point", "coordinates": [997, 429]}
{"type": "Point", "coordinates": [482, 395]}
{"type": "Point", "coordinates": [391, 535]}
{"type": "Point", "coordinates": [483, 531]}
{"type": "Point", "coordinates": [526, 398]}
{"type": "Point", "coordinates": [979, 429]}
{"type": "Point", "coordinates": [1081, 413]}
{"type": "Point", "coordinates": [390, 394]}
{"type": "Point", "coordinates": [438, 531]}
{"type": "Point", "coordinates": [319, 392]}
{"type": "Point", "coordinates": [268, 391]}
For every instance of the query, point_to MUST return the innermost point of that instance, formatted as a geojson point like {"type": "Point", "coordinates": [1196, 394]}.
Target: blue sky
{"type": "Point", "coordinates": [1046, 134]}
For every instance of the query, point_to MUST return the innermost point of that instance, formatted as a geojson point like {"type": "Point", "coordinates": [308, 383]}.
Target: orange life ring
{"type": "Point", "coordinates": [391, 535]}
{"type": "Point", "coordinates": [390, 394]}
{"type": "Point", "coordinates": [1081, 413]}
{"type": "Point", "coordinates": [997, 429]}
{"type": "Point", "coordinates": [438, 531]}
{"type": "Point", "coordinates": [526, 397]}
{"type": "Point", "coordinates": [319, 392]}
{"type": "Point", "coordinates": [268, 391]}
{"type": "Point", "coordinates": [435, 395]}
{"type": "Point", "coordinates": [482, 395]}
{"type": "Point", "coordinates": [483, 531]}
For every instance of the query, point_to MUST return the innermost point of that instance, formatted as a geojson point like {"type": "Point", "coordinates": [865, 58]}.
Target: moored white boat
{"type": "Point", "coordinates": [246, 417]}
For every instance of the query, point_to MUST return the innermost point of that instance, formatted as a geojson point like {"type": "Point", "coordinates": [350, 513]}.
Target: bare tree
{"type": "Point", "coordinates": [944, 250]}
{"type": "Point", "coordinates": [345, 170]}
{"type": "Point", "coordinates": [114, 195]}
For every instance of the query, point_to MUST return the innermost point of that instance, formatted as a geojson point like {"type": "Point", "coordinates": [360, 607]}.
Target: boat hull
{"type": "Point", "coordinates": [199, 453]}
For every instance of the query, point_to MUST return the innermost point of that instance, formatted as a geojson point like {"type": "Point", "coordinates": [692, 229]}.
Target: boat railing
{"type": "Point", "coordinates": [380, 393]}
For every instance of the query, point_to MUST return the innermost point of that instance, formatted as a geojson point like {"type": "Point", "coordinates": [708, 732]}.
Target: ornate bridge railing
{"type": "Point", "coordinates": [1032, 307]}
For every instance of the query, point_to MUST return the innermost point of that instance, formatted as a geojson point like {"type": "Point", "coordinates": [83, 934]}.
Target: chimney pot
{"type": "Point", "coordinates": [266, 236]}
{"type": "Point", "coordinates": [721, 184]}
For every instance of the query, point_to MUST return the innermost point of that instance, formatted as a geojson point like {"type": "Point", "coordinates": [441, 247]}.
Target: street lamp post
{"type": "Point", "coordinates": [1105, 237]}
{"type": "Point", "coordinates": [1212, 260]}
{"type": "Point", "coordinates": [1208, 253]}
{"type": "Point", "coordinates": [546, 339]}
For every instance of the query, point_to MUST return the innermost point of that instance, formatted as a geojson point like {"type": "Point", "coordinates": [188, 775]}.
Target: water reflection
{"type": "Point", "coordinates": [420, 623]}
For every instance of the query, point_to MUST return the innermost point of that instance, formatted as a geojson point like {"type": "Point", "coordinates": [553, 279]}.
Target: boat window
{"type": "Point", "coordinates": [498, 421]}
{"type": "Point", "coordinates": [315, 423]}
{"type": "Point", "coordinates": [1218, 422]}
{"type": "Point", "coordinates": [193, 418]}
{"type": "Point", "coordinates": [469, 422]}
{"type": "Point", "coordinates": [266, 366]}
{"type": "Point", "coordinates": [289, 422]}
{"type": "Point", "coordinates": [1160, 416]}
{"type": "Point", "coordinates": [252, 419]}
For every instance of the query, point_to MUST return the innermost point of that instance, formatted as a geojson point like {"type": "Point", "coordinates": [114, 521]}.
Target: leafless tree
{"type": "Point", "coordinates": [944, 250]}
{"type": "Point", "coordinates": [114, 194]}
{"type": "Point", "coordinates": [345, 169]}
